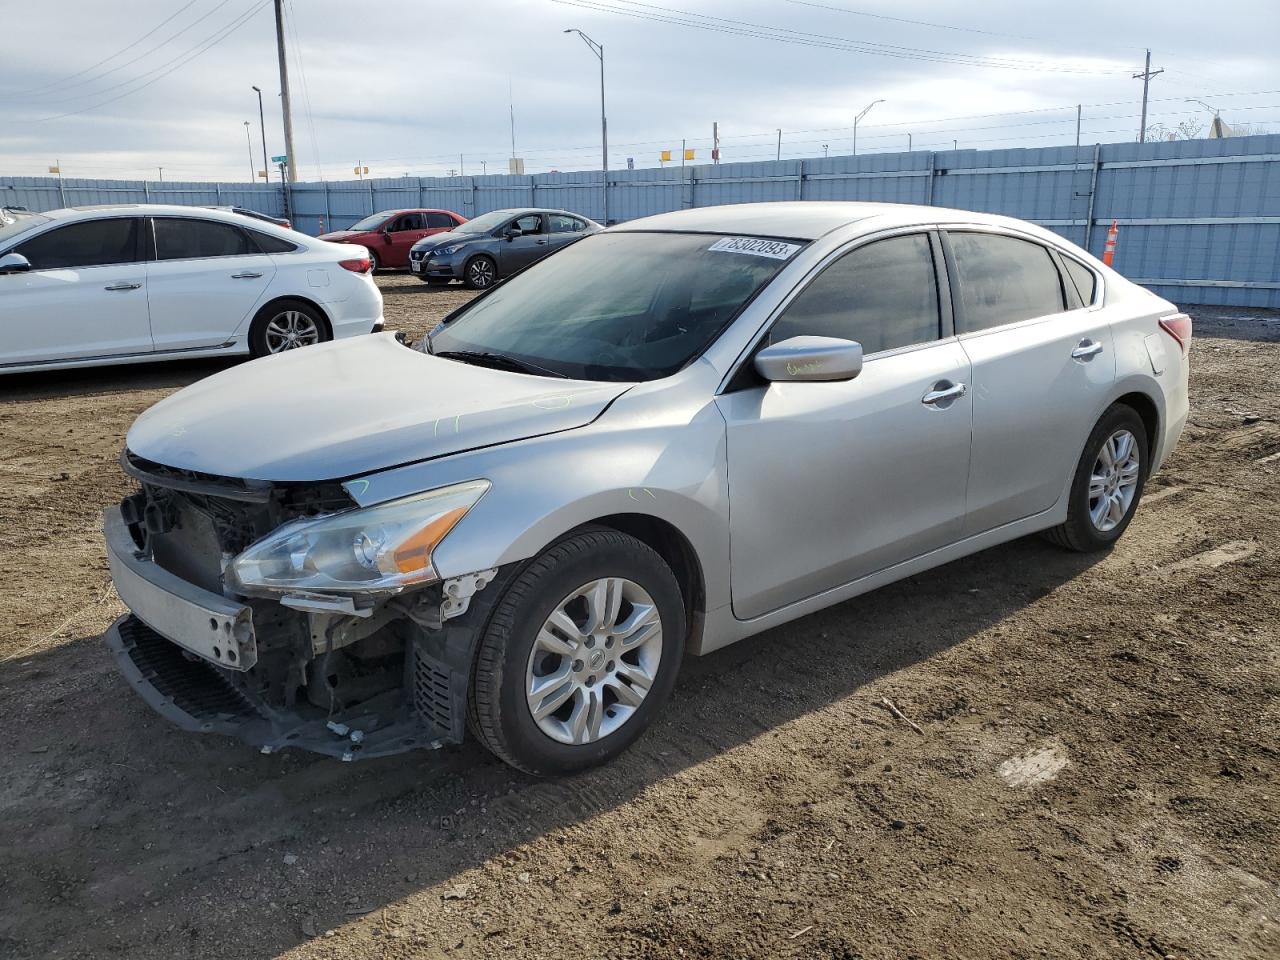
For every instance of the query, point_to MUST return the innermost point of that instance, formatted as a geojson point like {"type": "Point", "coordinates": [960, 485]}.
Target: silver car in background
{"type": "Point", "coordinates": [667, 437]}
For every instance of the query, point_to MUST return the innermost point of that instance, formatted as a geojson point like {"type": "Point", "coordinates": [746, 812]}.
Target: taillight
{"type": "Point", "coordinates": [1178, 326]}
{"type": "Point", "coordinates": [287, 225]}
{"type": "Point", "coordinates": [364, 264]}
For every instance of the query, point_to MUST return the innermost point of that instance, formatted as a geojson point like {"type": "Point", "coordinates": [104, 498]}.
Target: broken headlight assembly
{"type": "Point", "coordinates": [380, 549]}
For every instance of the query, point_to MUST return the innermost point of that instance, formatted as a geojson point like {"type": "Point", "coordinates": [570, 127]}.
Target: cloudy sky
{"type": "Point", "coordinates": [421, 86]}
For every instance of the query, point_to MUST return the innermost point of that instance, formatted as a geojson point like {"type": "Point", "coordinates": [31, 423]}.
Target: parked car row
{"type": "Point", "coordinates": [670, 435]}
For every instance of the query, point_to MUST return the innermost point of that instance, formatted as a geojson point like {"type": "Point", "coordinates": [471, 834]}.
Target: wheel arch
{"type": "Point", "coordinates": [295, 298]}
{"type": "Point", "coordinates": [666, 539]}
{"type": "Point", "coordinates": [1146, 408]}
{"type": "Point", "coordinates": [466, 264]}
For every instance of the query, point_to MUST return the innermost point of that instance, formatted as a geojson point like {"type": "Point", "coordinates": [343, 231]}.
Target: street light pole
{"type": "Point", "coordinates": [865, 111]}
{"type": "Point", "coordinates": [598, 50]}
{"type": "Point", "coordinates": [262, 124]}
{"type": "Point", "coordinates": [248, 139]}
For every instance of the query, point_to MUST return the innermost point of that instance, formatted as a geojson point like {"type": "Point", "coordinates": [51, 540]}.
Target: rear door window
{"type": "Point", "coordinates": [563, 224]}
{"type": "Point", "coordinates": [883, 295]}
{"type": "Point", "coordinates": [1002, 279]}
{"type": "Point", "coordinates": [91, 243]}
{"type": "Point", "coordinates": [182, 239]}
{"type": "Point", "coordinates": [437, 220]}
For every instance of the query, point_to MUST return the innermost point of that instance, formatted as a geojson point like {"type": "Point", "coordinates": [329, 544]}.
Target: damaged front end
{"type": "Point", "coordinates": [287, 616]}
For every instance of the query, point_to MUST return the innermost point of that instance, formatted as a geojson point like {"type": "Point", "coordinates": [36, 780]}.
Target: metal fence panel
{"type": "Point", "coordinates": [1199, 219]}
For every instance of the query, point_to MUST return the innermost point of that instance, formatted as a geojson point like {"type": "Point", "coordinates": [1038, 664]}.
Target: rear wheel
{"type": "Point", "coordinates": [286, 325]}
{"type": "Point", "coordinates": [1108, 483]}
{"type": "Point", "coordinates": [579, 655]}
{"type": "Point", "coordinates": [481, 273]}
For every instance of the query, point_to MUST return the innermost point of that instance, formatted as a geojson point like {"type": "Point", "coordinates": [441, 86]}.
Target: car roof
{"type": "Point", "coordinates": [162, 210]}
{"type": "Point", "coordinates": [803, 219]}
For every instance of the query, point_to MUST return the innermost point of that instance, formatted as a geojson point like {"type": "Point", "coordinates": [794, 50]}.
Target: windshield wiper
{"type": "Point", "coordinates": [499, 361]}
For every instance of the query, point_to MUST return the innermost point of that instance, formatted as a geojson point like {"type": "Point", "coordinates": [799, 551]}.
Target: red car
{"type": "Point", "coordinates": [389, 234]}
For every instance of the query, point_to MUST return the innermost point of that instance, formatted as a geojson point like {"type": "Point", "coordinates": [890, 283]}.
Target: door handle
{"type": "Point", "coordinates": [246, 275]}
{"type": "Point", "coordinates": [122, 285]}
{"type": "Point", "coordinates": [1086, 350]}
{"type": "Point", "coordinates": [943, 395]}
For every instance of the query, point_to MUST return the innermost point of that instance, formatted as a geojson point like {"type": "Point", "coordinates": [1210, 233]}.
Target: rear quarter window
{"type": "Point", "coordinates": [1086, 280]}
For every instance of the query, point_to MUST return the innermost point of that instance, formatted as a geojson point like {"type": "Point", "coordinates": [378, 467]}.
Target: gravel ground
{"type": "Point", "coordinates": [1095, 772]}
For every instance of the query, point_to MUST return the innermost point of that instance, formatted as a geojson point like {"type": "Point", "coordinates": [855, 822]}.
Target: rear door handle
{"type": "Point", "coordinates": [943, 395]}
{"type": "Point", "coordinates": [122, 285]}
{"type": "Point", "coordinates": [246, 275]}
{"type": "Point", "coordinates": [1086, 350]}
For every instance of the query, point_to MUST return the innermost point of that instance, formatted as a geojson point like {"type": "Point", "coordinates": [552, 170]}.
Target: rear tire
{"type": "Point", "coordinates": [597, 679]}
{"type": "Point", "coordinates": [277, 322]}
{"type": "Point", "coordinates": [481, 273]}
{"type": "Point", "coordinates": [1108, 483]}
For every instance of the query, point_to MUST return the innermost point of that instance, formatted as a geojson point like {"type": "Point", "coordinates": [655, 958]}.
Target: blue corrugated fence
{"type": "Point", "coordinates": [1199, 219]}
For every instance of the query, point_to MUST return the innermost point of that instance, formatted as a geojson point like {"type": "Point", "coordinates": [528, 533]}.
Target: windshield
{"type": "Point", "coordinates": [486, 222]}
{"type": "Point", "coordinates": [618, 306]}
{"type": "Point", "coordinates": [13, 223]}
{"type": "Point", "coordinates": [371, 222]}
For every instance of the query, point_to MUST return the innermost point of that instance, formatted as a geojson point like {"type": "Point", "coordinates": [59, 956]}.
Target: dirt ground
{"type": "Point", "coordinates": [1096, 771]}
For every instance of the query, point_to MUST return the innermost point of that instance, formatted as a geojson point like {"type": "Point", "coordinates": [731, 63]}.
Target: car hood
{"type": "Point", "coordinates": [441, 239]}
{"type": "Point", "coordinates": [356, 406]}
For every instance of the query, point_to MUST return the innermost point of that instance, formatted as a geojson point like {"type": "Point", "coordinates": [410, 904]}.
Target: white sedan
{"type": "Point", "coordinates": [91, 286]}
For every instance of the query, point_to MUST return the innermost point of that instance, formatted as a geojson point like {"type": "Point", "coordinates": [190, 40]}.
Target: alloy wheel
{"type": "Point", "coordinates": [1114, 480]}
{"type": "Point", "coordinates": [594, 661]}
{"type": "Point", "coordinates": [291, 329]}
{"type": "Point", "coordinates": [480, 273]}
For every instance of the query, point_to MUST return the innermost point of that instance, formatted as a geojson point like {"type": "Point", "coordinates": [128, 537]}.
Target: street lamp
{"type": "Point", "coordinates": [263, 125]}
{"type": "Point", "coordinates": [249, 141]}
{"type": "Point", "coordinates": [865, 111]}
{"type": "Point", "coordinates": [598, 50]}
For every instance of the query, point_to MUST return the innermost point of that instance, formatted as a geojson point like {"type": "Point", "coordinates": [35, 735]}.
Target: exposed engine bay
{"type": "Point", "coordinates": [346, 675]}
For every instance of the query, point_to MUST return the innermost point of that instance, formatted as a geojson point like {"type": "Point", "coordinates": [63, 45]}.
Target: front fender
{"type": "Point", "coordinates": [671, 467]}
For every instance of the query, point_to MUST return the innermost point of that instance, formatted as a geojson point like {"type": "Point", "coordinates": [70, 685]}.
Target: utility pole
{"type": "Point", "coordinates": [779, 143]}
{"type": "Point", "coordinates": [161, 169]}
{"type": "Point", "coordinates": [249, 140]}
{"type": "Point", "coordinates": [598, 50]}
{"type": "Point", "coordinates": [1078, 126]}
{"type": "Point", "coordinates": [262, 126]}
{"type": "Point", "coordinates": [908, 143]}
{"type": "Point", "coordinates": [284, 92]}
{"type": "Point", "coordinates": [1145, 76]}
{"type": "Point", "coordinates": [715, 142]}
{"type": "Point", "coordinates": [825, 147]}
{"type": "Point", "coordinates": [511, 107]}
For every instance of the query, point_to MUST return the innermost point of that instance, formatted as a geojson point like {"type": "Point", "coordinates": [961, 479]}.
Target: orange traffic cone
{"type": "Point", "coordinates": [1109, 249]}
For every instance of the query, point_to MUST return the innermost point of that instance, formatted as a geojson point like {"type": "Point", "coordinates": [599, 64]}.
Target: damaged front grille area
{"type": "Point", "coordinates": [378, 676]}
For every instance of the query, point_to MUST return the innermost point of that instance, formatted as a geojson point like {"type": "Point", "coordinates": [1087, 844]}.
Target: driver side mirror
{"type": "Point", "coordinates": [386, 234]}
{"type": "Point", "coordinates": [512, 232]}
{"type": "Point", "coordinates": [14, 263]}
{"type": "Point", "coordinates": [810, 359]}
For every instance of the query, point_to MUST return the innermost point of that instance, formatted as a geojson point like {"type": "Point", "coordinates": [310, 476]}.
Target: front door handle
{"type": "Point", "coordinates": [246, 275]}
{"type": "Point", "coordinates": [122, 285]}
{"type": "Point", "coordinates": [942, 394]}
{"type": "Point", "coordinates": [1086, 350]}
{"type": "Point", "coordinates": [540, 242]}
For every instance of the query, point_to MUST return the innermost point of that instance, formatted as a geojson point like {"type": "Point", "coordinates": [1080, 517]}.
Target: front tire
{"type": "Point", "coordinates": [374, 263]}
{"type": "Point", "coordinates": [1108, 483]}
{"type": "Point", "coordinates": [286, 325]}
{"type": "Point", "coordinates": [481, 273]}
{"type": "Point", "coordinates": [580, 654]}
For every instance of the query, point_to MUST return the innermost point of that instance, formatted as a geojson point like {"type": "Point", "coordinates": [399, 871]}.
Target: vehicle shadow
{"type": "Point", "coordinates": [117, 825]}
{"type": "Point", "coordinates": [121, 378]}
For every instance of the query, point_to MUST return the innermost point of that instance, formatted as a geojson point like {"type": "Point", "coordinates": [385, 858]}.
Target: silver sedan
{"type": "Point", "coordinates": [667, 437]}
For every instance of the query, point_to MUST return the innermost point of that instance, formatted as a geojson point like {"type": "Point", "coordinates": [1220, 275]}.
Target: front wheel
{"type": "Point", "coordinates": [1108, 483]}
{"type": "Point", "coordinates": [579, 655]}
{"type": "Point", "coordinates": [481, 274]}
{"type": "Point", "coordinates": [374, 263]}
{"type": "Point", "coordinates": [286, 325]}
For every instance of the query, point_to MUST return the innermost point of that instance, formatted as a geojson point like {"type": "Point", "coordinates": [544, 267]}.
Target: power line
{"type": "Point", "coordinates": [744, 28]}
{"type": "Point", "coordinates": [195, 52]}
{"type": "Point", "coordinates": [94, 66]}
{"type": "Point", "coordinates": [118, 67]}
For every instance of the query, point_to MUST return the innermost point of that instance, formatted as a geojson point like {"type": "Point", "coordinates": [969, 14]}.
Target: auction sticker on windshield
{"type": "Point", "coordinates": [776, 249]}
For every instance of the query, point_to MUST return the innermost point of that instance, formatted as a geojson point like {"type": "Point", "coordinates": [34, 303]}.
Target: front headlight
{"type": "Point", "coordinates": [449, 250]}
{"type": "Point", "coordinates": [381, 549]}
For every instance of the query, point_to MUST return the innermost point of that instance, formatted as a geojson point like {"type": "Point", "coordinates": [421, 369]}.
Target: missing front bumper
{"type": "Point", "coordinates": [202, 698]}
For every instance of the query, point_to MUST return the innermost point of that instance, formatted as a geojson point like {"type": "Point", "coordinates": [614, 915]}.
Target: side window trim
{"type": "Point", "coordinates": [1070, 295]}
{"type": "Point", "coordinates": [1097, 280]}
{"type": "Point", "coordinates": [942, 280]}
